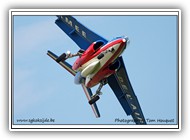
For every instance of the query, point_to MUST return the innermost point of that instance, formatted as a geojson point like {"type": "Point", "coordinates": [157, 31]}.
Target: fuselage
{"type": "Point", "coordinates": [94, 64]}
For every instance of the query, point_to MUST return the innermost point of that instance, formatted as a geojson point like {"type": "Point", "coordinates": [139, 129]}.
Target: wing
{"type": "Point", "coordinates": [123, 90]}
{"type": "Point", "coordinates": [89, 94]}
{"type": "Point", "coordinates": [87, 91]}
{"type": "Point", "coordinates": [81, 35]}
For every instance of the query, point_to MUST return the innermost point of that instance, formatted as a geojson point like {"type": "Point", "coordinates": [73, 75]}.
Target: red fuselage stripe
{"type": "Point", "coordinates": [98, 76]}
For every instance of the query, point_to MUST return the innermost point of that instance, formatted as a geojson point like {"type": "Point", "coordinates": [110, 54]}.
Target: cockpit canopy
{"type": "Point", "coordinates": [94, 47]}
{"type": "Point", "coordinates": [97, 45]}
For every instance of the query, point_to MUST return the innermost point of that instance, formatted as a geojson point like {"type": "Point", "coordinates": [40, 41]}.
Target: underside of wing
{"type": "Point", "coordinates": [81, 35]}
{"type": "Point", "coordinates": [64, 64]}
{"type": "Point", "coordinates": [121, 86]}
{"type": "Point", "coordinates": [87, 91]}
{"type": "Point", "coordinates": [89, 94]}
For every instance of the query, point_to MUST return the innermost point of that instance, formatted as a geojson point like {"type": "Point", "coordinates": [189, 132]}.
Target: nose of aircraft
{"type": "Point", "coordinates": [126, 39]}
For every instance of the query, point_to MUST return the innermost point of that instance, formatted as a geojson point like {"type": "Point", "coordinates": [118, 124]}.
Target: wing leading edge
{"type": "Point", "coordinates": [123, 90]}
{"type": "Point", "coordinates": [80, 34]}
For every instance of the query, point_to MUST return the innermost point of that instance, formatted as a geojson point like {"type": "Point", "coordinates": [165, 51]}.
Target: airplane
{"type": "Point", "coordinates": [99, 61]}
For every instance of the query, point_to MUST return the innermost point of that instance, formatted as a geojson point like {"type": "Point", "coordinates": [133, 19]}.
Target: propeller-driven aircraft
{"type": "Point", "coordinates": [99, 62]}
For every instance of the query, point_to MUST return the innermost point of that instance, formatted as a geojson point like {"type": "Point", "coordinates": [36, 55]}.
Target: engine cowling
{"type": "Point", "coordinates": [115, 66]}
